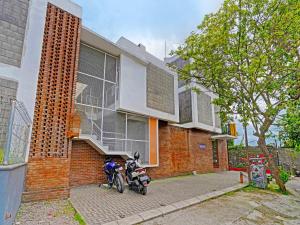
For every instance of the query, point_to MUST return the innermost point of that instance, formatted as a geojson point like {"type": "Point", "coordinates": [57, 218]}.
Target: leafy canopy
{"type": "Point", "coordinates": [248, 53]}
{"type": "Point", "coordinates": [290, 127]}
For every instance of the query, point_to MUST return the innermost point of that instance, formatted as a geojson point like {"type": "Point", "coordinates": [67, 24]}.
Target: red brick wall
{"type": "Point", "coordinates": [49, 159]}
{"type": "Point", "coordinates": [179, 152]}
{"type": "Point", "coordinates": [86, 164]}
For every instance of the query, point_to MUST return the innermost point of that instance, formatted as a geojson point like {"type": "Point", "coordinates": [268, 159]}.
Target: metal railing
{"type": "Point", "coordinates": [15, 126]}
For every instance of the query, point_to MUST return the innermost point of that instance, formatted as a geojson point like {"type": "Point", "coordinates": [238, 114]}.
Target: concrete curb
{"type": "Point", "coordinates": [164, 210]}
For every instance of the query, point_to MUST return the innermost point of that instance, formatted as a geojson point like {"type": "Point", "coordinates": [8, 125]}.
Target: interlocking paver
{"type": "Point", "coordinates": [106, 205]}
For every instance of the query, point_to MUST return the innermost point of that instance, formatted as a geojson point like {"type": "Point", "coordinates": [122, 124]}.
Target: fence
{"type": "Point", "coordinates": [15, 126]}
{"type": "Point", "coordinates": [287, 158]}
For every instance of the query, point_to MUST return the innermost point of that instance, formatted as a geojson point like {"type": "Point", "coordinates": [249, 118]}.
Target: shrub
{"type": "Point", "coordinates": [284, 175]}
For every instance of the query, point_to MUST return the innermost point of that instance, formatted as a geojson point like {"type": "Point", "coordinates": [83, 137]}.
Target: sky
{"type": "Point", "coordinates": [152, 23]}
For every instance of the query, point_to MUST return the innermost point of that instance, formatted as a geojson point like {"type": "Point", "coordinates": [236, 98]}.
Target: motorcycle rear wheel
{"type": "Point", "coordinates": [119, 183]}
{"type": "Point", "coordinates": [144, 190]}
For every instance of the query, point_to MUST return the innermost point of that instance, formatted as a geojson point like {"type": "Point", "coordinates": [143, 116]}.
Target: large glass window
{"type": "Point", "coordinates": [91, 61]}
{"type": "Point", "coordinates": [89, 90]}
{"type": "Point", "coordinates": [96, 94]}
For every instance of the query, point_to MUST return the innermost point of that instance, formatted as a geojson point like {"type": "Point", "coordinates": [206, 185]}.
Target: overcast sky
{"type": "Point", "coordinates": [150, 22]}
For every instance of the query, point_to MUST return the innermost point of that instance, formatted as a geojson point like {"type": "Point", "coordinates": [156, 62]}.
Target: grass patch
{"type": "Point", "coordinates": [230, 193]}
{"type": "Point", "coordinates": [250, 188]}
{"type": "Point", "coordinates": [79, 219]}
{"type": "Point", "coordinates": [1, 156]}
{"type": "Point", "coordinates": [70, 210]}
{"type": "Point", "coordinates": [275, 188]}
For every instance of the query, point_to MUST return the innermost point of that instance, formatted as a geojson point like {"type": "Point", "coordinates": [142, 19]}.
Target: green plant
{"type": "Point", "coordinates": [1, 156]}
{"type": "Point", "coordinates": [241, 165]}
{"type": "Point", "coordinates": [79, 219]}
{"type": "Point", "coordinates": [284, 175]}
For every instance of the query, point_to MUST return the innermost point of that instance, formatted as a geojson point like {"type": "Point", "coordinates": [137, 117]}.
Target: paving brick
{"type": "Point", "coordinates": [106, 205]}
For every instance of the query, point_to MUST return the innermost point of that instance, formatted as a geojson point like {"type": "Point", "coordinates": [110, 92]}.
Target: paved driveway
{"type": "Point", "coordinates": [101, 205]}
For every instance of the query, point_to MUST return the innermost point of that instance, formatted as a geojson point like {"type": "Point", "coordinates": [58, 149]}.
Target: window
{"type": "Point", "coordinates": [96, 95]}
{"type": "Point", "coordinates": [215, 153]}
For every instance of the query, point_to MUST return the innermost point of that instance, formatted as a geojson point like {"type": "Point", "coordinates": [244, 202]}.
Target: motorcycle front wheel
{"type": "Point", "coordinates": [119, 183]}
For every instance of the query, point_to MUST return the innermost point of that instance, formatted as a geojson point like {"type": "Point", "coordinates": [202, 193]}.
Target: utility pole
{"type": "Point", "coordinates": [247, 151]}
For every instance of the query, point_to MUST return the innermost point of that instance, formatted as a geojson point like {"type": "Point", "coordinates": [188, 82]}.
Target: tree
{"type": "Point", "coordinates": [248, 53]}
{"type": "Point", "coordinates": [290, 127]}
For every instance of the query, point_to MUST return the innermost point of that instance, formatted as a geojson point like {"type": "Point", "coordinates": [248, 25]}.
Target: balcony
{"type": "Point", "coordinates": [196, 110]}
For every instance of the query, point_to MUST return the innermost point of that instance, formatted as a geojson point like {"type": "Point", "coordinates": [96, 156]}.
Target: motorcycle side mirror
{"type": "Point", "coordinates": [136, 155]}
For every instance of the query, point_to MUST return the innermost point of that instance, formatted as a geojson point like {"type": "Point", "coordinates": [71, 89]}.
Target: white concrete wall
{"type": "Point", "coordinates": [133, 90]}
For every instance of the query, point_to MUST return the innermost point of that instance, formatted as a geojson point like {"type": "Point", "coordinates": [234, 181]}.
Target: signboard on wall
{"type": "Point", "coordinates": [202, 146]}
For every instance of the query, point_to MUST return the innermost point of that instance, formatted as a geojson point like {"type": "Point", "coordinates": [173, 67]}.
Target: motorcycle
{"type": "Point", "coordinates": [113, 174]}
{"type": "Point", "coordinates": [136, 176]}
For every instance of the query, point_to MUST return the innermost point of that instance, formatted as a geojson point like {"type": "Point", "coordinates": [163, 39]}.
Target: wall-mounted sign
{"type": "Point", "coordinates": [202, 146]}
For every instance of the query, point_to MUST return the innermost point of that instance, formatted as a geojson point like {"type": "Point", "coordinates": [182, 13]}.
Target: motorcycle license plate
{"type": "Point", "coordinates": [144, 179]}
{"type": "Point", "coordinates": [145, 183]}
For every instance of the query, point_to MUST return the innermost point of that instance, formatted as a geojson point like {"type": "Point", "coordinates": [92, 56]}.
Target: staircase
{"type": "Point", "coordinates": [92, 134]}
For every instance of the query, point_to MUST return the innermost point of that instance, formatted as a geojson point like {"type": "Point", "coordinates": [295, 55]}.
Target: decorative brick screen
{"type": "Point", "coordinates": [56, 85]}
{"type": "Point", "coordinates": [160, 90]}
{"type": "Point", "coordinates": [48, 171]}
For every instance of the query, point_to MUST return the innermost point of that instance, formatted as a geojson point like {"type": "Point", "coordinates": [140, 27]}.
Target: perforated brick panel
{"type": "Point", "coordinates": [160, 90]}
{"type": "Point", "coordinates": [204, 109]}
{"type": "Point", "coordinates": [185, 106]}
{"type": "Point", "coordinates": [56, 85]}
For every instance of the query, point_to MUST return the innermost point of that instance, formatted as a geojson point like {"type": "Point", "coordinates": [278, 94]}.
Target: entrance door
{"type": "Point", "coordinates": [215, 153]}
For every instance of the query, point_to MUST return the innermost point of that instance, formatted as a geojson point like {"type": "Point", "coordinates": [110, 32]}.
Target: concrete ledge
{"type": "Point", "coordinates": [151, 214]}
{"type": "Point", "coordinates": [11, 167]}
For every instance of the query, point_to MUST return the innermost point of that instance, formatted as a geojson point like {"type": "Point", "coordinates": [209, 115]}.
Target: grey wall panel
{"type": "Point", "coordinates": [13, 18]}
{"type": "Point", "coordinates": [160, 90]}
{"type": "Point", "coordinates": [185, 106]}
{"type": "Point", "coordinates": [204, 109]}
{"type": "Point", "coordinates": [217, 117]}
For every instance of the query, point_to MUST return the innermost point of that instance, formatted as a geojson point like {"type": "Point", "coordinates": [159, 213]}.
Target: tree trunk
{"type": "Point", "coordinates": [274, 168]}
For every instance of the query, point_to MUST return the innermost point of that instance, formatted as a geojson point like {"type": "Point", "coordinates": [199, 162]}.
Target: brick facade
{"type": "Point", "coordinates": [48, 170]}
{"type": "Point", "coordinates": [179, 154]}
{"type": "Point", "coordinates": [87, 164]}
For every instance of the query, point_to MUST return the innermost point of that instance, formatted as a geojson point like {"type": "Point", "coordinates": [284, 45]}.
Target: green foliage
{"type": "Point", "coordinates": [79, 219]}
{"type": "Point", "coordinates": [241, 165]}
{"type": "Point", "coordinates": [247, 54]}
{"type": "Point", "coordinates": [284, 175]}
{"type": "Point", "coordinates": [290, 127]}
{"type": "Point", "coordinates": [1, 156]}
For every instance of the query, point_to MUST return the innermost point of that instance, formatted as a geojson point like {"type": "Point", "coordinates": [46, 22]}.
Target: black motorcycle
{"type": "Point", "coordinates": [136, 176]}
